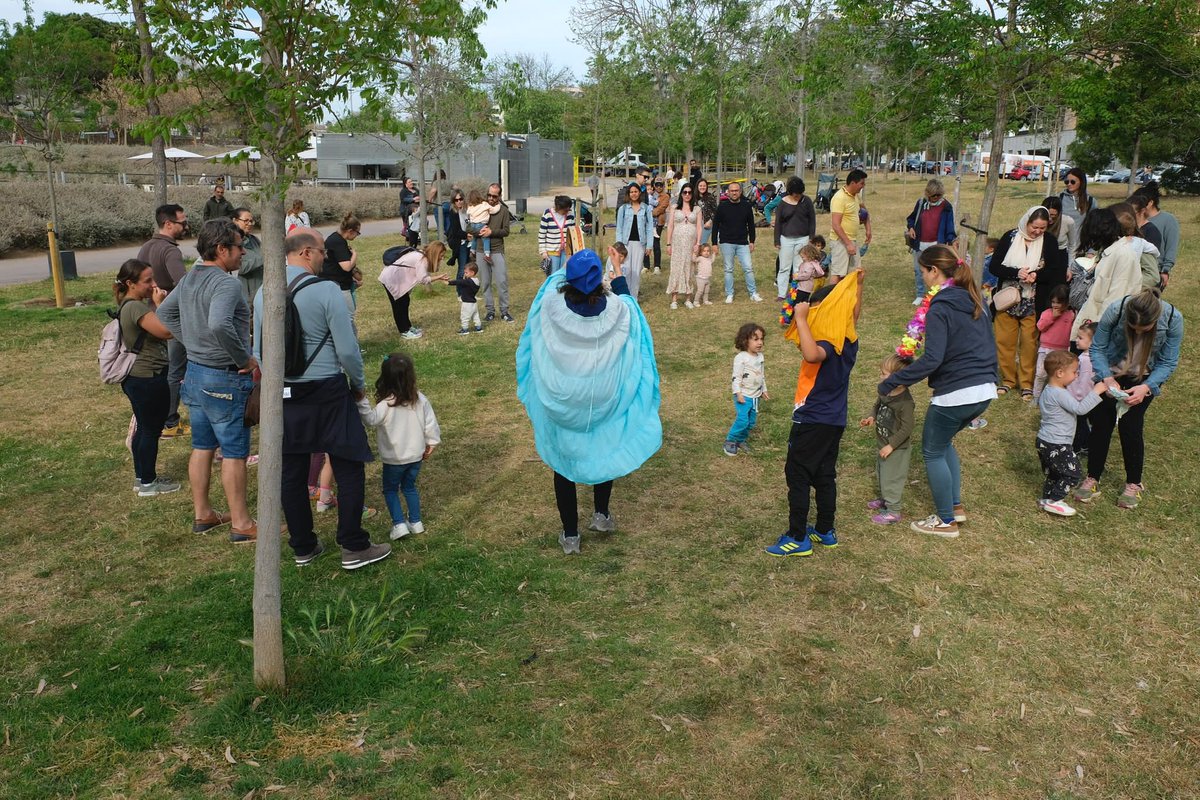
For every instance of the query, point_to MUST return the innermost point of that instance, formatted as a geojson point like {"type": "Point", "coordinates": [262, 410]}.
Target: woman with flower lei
{"type": "Point", "coordinates": [950, 337]}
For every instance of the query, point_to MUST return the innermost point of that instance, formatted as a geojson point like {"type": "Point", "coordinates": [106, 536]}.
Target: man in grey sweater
{"type": "Point", "coordinates": [206, 311]}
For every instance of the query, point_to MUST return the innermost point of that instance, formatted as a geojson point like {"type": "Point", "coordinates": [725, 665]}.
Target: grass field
{"type": "Point", "coordinates": [1033, 657]}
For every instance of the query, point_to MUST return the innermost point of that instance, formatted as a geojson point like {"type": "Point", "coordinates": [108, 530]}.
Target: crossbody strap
{"type": "Point", "coordinates": [294, 290]}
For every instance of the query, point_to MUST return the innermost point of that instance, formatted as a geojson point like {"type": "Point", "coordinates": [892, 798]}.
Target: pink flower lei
{"type": "Point", "coordinates": [912, 343]}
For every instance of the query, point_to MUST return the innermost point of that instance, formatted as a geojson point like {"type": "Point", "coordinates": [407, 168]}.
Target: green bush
{"type": "Point", "coordinates": [99, 215]}
{"type": "Point", "coordinates": [1182, 180]}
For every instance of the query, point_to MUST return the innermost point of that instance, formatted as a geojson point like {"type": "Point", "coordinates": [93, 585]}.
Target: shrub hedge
{"type": "Point", "coordinates": [98, 215]}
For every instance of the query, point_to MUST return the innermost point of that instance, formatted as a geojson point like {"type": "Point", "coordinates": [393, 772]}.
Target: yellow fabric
{"type": "Point", "coordinates": [832, 320]}
{"type": "Point", "coordinates": [847, 205]}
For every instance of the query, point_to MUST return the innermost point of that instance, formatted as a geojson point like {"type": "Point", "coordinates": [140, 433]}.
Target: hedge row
{"type": "Point", "coordinates": [94, 215]}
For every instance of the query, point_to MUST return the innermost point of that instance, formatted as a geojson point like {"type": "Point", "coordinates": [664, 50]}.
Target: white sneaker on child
{"type": "Point", "coordinates": [399, 531]}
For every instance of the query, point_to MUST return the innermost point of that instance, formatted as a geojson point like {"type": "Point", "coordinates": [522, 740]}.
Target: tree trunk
{"type": "Point", "coordinates": [720, 136]}
{"type": "Point", "coordinates": [1133, 167]}
{"type": "Point", "coordinates": [53, 196]}
{"type": "Point", "coordinates": [269, 670]}
{"type": "Point", "coordinates": [157, 145]}
{"type": "Point", "coordinates": [1052, 178]}
{"type": "Point", "coordinates": [688, 137]}
{"type": "Point", "coordinates": [749, 156]}
{"type": "Point", "coordinates": [999, 126]}
{"type": "Point", "coordinates": [802, 134]}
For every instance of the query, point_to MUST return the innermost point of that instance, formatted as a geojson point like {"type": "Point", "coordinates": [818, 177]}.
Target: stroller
{"type": "Point", "coordinates": [827, 185]}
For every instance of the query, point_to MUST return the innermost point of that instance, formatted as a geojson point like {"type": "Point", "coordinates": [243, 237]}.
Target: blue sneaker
{"type": "Point", "coordinates": [787, 546]}
{"type": "Point", "coordinates": [827, 540]}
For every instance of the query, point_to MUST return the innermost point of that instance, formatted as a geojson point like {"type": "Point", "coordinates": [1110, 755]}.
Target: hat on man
{"type": "Point", "coordinates": [584, 271]}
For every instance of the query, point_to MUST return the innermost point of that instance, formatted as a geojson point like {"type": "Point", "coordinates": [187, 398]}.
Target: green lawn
{"type": "Point", "coordinates": [1033, 657]}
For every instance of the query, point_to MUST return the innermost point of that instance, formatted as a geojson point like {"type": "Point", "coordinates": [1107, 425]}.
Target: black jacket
{"type": "Point", "coordinates": [734, 223]}
{"type": "Point", "coordinates": [1052, 273]}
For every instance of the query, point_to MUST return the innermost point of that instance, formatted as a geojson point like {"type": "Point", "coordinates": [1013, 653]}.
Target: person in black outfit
{"type": "Point", "coordinates": [410, 202]}
{"type": "Point", "coordinates": [456, 232]}
{"type": "Point", "coordinates": [733, 230]}
{"type": "Point", "coordinates": [341, 263]}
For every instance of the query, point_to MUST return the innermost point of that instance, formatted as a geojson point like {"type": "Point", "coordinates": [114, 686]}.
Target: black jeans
{"type": "Point", "coordinates": [568, 502]}
{"type": "Point", "coordinates": [1103, 418]}
{"type": "Point", "coordinates": [297, 510]}
{"type": "Point", "coordinates": [658, 229]}
{"type": "Point", "coordinates": [151, 400]}
{"type": "Point", "coordinates": [400, 311]}
{"type": "Point", "coordinates": [812, 465]}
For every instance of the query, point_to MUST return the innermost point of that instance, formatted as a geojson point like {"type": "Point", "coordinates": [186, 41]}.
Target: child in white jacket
{"type": "Point", "coordinates": [407, 431]}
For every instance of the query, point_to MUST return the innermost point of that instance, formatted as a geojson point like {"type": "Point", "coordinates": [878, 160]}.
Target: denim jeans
{"type": "Point", "coordinates": [216, 400]}
{"type": "Point", "coordinates": [559, 261]}
{"type": "Point", "coordinates": [745, 417]}
{"type": "Point", "coordinates": [150, 399]}
{"type": "Point", "coordinates": [742, 253]}
{"type": "Point", "coordinates": [789, 259]}
{"type": "Point", "coordinates": [397, 479]}
{"type": "Point", "coordinates": [941, 459]}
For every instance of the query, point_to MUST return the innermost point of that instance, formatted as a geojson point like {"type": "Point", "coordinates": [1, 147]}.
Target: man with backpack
{"type": "Point", "coordinates": [323, 374]}
{"type": "Point", "coordinates": [206, 311]}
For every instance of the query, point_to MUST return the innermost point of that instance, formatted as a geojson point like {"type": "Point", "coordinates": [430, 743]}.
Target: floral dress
{"type": "Point", "coordinates": [683, 239]}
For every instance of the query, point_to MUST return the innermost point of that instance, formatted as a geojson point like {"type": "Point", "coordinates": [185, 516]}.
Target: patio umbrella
{"type": "Point", "coordinates": [251, 154]}
{"type": "Point", "coordinates": [173, 154]}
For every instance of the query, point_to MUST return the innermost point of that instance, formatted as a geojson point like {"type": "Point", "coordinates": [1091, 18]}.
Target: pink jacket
{"type": "Point", "coordinates": [401, 277]}
{"type": "Point", "coordinates": [1055, 333]}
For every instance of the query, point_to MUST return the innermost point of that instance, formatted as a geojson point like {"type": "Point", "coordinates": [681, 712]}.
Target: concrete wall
{"type": "Point", "coordinates": [535, 164]}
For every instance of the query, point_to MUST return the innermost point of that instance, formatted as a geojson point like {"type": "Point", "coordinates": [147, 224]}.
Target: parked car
{"type": "Point", "coordinates": [1019, 173]}
{"type": "Point", "coordinates": [1102, 176]}
{"type": "Point", "coordinates": [1120, 176]}
{"type": "Point", "coordinates": [623, 167]}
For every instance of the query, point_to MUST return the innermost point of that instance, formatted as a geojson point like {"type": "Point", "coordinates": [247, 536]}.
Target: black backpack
{"type": "Point", "coordinates": [394, 254]}
{"type": "Point", "coordinates": [294, 361]}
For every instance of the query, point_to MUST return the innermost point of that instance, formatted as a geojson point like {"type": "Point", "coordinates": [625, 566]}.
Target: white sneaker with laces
{"type": "Point", "coordinates": [416, 527]}
{"type": "Point", "coordinates": [756, 297]}
{"type": "Point", "coordinates": [399, 531]}
{"type": "Point", "coordinates": [728, 299]}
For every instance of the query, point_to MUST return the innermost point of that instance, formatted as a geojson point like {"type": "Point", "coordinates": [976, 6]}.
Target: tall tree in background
{"type": "Point", "coordinates": [278, 66]}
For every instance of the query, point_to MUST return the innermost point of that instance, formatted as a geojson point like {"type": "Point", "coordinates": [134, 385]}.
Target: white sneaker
{"type": "Point", "coordinates": [399, 531]}
{"type": "Point", "coordinates": [688, 304]}
{"type": "Point", "coordinates": [1058, 507]}
{"type": "Point", "coordinates": [728, 299]}
{"type": "Point", "coordinates": [658, 270]}
{"type": "Point", "coordinates": [917, 302]}
{"type": "Point", "coordinates": [708, 302]}
{"type": "Point", "coordinates": [411, 333]}
{"type": "Point", "coordinates": [416, 527]}
{"type": "Point", "coordinates": [756, 297]}
{"type": "Point", "coordinates": [674, 305]}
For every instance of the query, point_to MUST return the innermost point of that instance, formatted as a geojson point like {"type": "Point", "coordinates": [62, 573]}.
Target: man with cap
{"type": "Point", "coordinates": [587, 377]}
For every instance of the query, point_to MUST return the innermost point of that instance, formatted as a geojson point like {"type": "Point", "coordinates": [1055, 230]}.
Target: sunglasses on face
{"type": "Point", "coordinates": [1072, 182]}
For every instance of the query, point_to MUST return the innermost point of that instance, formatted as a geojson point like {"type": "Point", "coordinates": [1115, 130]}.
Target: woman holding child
{"type": "Point", "coordinates": [959, 359]}
{"type": "Point", "coordinates": [1029, 261]}
{"type": "Point", "coordinates": [1134, 351]}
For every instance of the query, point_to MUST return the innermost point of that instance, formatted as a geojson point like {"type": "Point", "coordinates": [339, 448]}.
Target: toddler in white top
{"type": "Point", "coordinates": [748, 385]}
{"type": "Point", "coordinates": [406, 431]}
{"type": "Point", "coordinates": [479, 211]}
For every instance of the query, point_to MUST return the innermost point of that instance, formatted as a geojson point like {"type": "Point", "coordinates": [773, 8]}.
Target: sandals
{"type": "Point", "coordinates": [1027, 395]}
{"type": "Point", "coordinates": [1001, 391]}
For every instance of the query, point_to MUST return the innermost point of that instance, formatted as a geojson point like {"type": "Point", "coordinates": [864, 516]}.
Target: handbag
{"type": "Point", "coordinates": [546, 262]}
{"type": "Point", "coordinates": [1006, 298]}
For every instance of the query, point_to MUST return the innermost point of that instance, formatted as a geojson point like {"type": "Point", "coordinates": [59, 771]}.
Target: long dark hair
{"type": "Point", "coordinates": [1081, 191]}
{"type": "Point", "coordinates": [397, 381]}
{"type": "Point", "coordinates": [693, 191]}
{"type": "Point", "coordinates": [130, 272]}
{"type": "Point", "coordinates": [947, 262]}
{"type": "Point", "coordinates": [1100, 229]}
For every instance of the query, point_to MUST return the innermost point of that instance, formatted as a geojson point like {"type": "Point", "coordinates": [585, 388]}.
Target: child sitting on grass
{"type": "Point", "coordinates": [749, 384]}
{"type": "Point", "coordinates": [1057, 432]}
{"type": "Point", "coordinates": [893, 417]}
{"type": "Point", "coordinates": [824, 329]}
{"type": "Point", "coordinates": [407, 431]}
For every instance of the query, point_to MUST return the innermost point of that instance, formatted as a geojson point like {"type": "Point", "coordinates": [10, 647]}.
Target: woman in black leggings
{"type": "Point", "coordinates": [399, 276]}
{"type": "Point", "coordinates": [1134, 351]}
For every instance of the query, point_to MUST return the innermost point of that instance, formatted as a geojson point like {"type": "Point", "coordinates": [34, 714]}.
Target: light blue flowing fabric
{"type": "Point", "coordinates": [589, 385]}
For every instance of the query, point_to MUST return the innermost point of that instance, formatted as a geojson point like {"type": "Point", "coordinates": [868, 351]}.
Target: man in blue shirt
{"type": "Point", "coordinates": [319, 413]}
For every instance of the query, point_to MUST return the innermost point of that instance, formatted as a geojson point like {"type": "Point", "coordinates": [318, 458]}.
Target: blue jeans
{"type": "Point", "coordinates": [745, 417]}
{"type": "Point", "coordinates": [484, 242]}
{"type": "Point", "coordinates": [742, 253]}
{"type": "Point", "coordinates": [216, 400]}
{"type": "Point", "coordinates": [941, 459]}
{"type": "Point", "coordinates": [921, 288]}
{"type": "Point", "coordinates": [559, 261]}
{"type": "Point", "coordinates": [789, 259]}
{"type": "Point", "coordinates": [399, 478]}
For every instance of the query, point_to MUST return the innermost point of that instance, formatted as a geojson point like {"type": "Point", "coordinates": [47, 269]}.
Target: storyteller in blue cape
{"type": "Point", "coordinates": [587, 377]}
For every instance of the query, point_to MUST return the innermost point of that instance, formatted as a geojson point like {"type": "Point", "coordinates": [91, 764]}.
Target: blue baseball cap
{"type": "Point", "coordinates": [584, 271]}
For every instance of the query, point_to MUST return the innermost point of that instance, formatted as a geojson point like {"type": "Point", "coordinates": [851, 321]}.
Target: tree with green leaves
{"type": "Point", "coordinates": [279, 67]}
